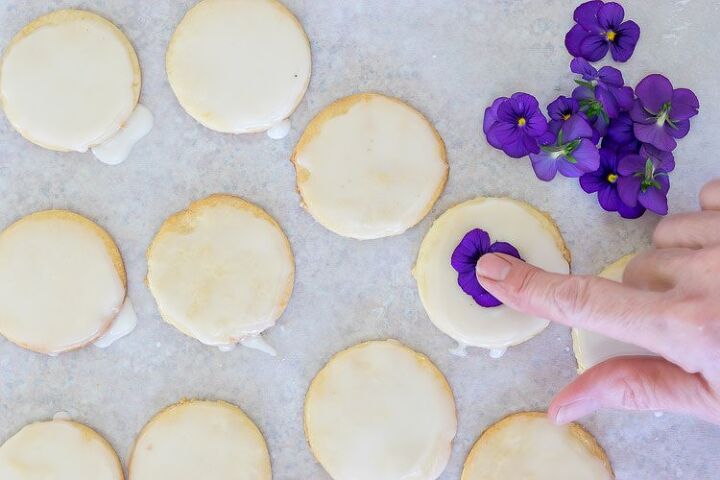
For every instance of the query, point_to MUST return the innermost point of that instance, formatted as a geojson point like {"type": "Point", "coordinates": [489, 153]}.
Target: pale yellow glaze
{"type": "Point", "coordinates": [454, 312]}
{"type": "Point", "coordinates": [200, 440]}
{"type": "Point", "coordinates": [370, 166]}
{"type": "Point", "coordinates": [380, 411]}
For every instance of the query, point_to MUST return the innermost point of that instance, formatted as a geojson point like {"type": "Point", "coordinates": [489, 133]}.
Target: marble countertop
{"type": "Point", "coordinates": [449, 59]}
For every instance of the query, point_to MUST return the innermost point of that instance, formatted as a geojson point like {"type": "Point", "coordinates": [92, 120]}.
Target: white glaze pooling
{"type": "Point", "coordinates": [527, 446]}
{"type": "Point", "coordinates": [370, 166]}
{"type": "Point", "coordinates": [122, 326]}
{"type": "Point", "coordinates": [239, 66]}
{"type": "Point", "coordinates": [279, 130]}
{"type": "Point", "coordinates": [200, 440]}
{"type": "Point", "coordinates": [380, 411]}
{"type": "Point", "coordinates": [69, 81]}
{"type": "Point", "coordinates": [221, 270]}
{"type": "Point", "coordinates": [452, 310]}
{"type": "Point", "coordinates": [591, 348]}
{"type": "Point", "coordinates": [116, 149]}
{"type": "Point", "coordinates": [58, 450]}
{"type": "Point", "coordinates": [60, 286]}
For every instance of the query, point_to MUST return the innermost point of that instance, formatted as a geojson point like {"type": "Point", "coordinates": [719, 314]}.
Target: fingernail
{"type": "Point", "coordinates": [575, 410]}
{"type": "Point", "coordinates": [493, 267]}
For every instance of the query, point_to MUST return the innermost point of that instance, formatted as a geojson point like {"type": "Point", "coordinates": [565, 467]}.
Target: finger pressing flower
{"type": "Point", "coordinates": [642, 182]}
{"type": "Point", "coordinates": [604, 181]}
{"type": "Point", "coordinates": [515, 124]}
{"type": "Point", "coordinates": [474, 245]}
{"type": "Point", "coordinates": [662, 114]}
{"type": "Point", "coordinates": [572, 153]}
{"type": "Point", "coordinates": [600, 27]}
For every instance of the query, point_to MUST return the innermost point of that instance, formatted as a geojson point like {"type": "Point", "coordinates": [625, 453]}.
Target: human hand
{"type": "Point", "coordinates": [669, 303]}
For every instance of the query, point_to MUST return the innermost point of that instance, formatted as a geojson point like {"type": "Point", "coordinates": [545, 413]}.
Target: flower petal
{"type": "Point", "coordinates": [685, 104]}
{"type": "Point", "coordinates": [544, 165]}
{"type": "Point", "coordinates": [576, 127]}
{"type": "Point", "coordinates": [610, 16]}
{"type": "Point", "coordinates": [627, 36]}
{"type": "Point", "coordinates": [505, 133]}
{"type": "Point", "coordinates": [640, 115]}
{"type": "Point", "coordinates": [656, 135]}
{"type": "Point", "coordinates": [491, 114]}
{"type": "Point", "coordinates": [662, 160]}
{"type": "Point", "coordinates": [524, 103]}
{"type": "Point", "coordinates": [654, 200]}
{"type": "Point", "coordinates": [593, 181]}
{"type": "Point", "coordinates": [587, 156]}
{"type": "Point", "coordinates": [608, 101]}
{"type": "Point", "coordinates": [631, 212]}
{"type": "Point", "coordinates": [629, 165]}
{"type": "Point", "coordinates": [629, 188]}
{"type": "Point", "coordinates": [611, 76]}
{"type": "Point", "coordinates": [608, 198]}
{"type": "Point", "coordinates": [681, 129]}
{"type": "Point", "coordinates": [536, 124]}
{"type": "Point", "coordinates": [586, 15]}
{"type": "Point", "coordinates": [620, 130]}
{"type": "Point", "coordinates": [625, 97]}
{"type": "Point", "coordinates": [582, 67]}
{"type": "Point", "coordinates": [472, 246]}
{"type": "Point", "coordinates": [506, 248]}
{"type": "Point", "coordinates": [574, 38]}
{"type": "Point", "coordinates": [516, 148]}
{"type": "Point", "coordinates": [594, 47]}
{"type": "Point", "coordinates": [654, 91]}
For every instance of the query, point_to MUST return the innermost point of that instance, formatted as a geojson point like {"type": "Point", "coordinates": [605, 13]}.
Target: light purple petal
{"type": "Point", "coordinates": [656, 135]}
{"type": "Point", "coordinates": [654, 200]}
{"type": "Point", "coordinates": [662, 160]}
{"type": "Point", "coordinates": [568, 169]}
{"type": "Point", "coordinates": [624, 45]}
{"type": "Point", "coordinates": [630, 165]}
{"type": "Point", "coordinates": [629, 189]}
{"type": "Point", "coordinates": [611, 76]}
{"type": "Point", "coordinates": [544, 165]}
{"type": "Point", "coordinates": [685, 104]}
{"type": "Point", "coordinates": [574, 38]}
{"type": "Point", "coordinates": [582, 67]}
{"type": "Point", "coordinates": [586, 15]}
{"type": "Point", "coordinates": [583, 93]}
{"type": "Point", "coordinates": [491, 114]}
{"type": "Point", "coordinates": [587, 156]}
{"type": "Point", "coordinates": [594, 47]}
{"type": "Point", "coordinates": [681, 129]}
{"type": "Point", "coordinates": [524, 103]}
{"type": "Point", "coordinates": [576, 127]}
{"type": "Point", "coordinates": [610, 16]}
{"type": "Point", "coordinates": [654, 91]}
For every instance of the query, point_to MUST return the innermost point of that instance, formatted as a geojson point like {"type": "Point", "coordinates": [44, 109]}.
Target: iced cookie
{"type": "Point", "coordinates": [528, 445]}
{"type": "Point", "coordinates": [370, 166]}
{"type": "Point", "coordinates": [592, 348]}
{"type": "Point", "coordinates": [380, 411]}
{"type": "Point", "coordinates": [221, 271]}
{"type": "Point", "coordinates": [62, 282]}
{"type": "Point", "coordinates": [200, 440]}
{"type": "Point", "coordinates": [69, 81]}
{"type": "Point", "coordinates": [58, 450]}
{"type": "Point", "coordinates": [239, 66]}
{"type": "Point", "coordinates": [505, 226]}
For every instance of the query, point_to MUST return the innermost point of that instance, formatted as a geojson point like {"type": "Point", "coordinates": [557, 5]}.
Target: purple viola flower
{"type": "Point", "coordinates": [593, 109]}
{"type": "Point", "coordinates": [474, 245]}
{"type": "Point", "coordinates": [662, 160]}
{"type": "Point", "coordinates": [601, 27]}
{"type": "Point", "coordinates": [644, 183]}
{"type": "Point", "coordinates": [662, 114]}
{"type": "Point", "coordinates": [607, 85]}
{"type": "Point", "coordinates": [561, 110]}
{"type": "Point", "coordinates": [515, 124]}
{"type": "Point", "coordinates": [572, 153]}
{"type": "Point", "coordinates": [604, 181]}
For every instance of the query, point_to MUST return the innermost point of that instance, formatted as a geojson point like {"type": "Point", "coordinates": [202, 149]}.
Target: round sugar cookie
{"type": "Point", "coordinates": [58, 450]}
{"type": "Point", "coordinates": [370, 166]}
{"type": "Point", "coordinates": [532, 232]}
{"type": "Point", "coordinates": [528, 445]}
{"type": "Point", "coordinates": [380, 411]}
{"type": "Point", "coordinates": [591, 348]}
{"type": "Point", "coordinates": [239, 66]}
{"type": "Point", "coordinates": [221, 271]}
{"type": "Point", "coordinates": [69, 80]}
{"type": "Point", "coordinates": [197, 439]}
{"type": "Point", "coordinates": [62, 281]}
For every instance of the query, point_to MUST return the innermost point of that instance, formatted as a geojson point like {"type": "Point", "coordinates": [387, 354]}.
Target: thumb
{"type": "Point", "coordinates": [636, 383]}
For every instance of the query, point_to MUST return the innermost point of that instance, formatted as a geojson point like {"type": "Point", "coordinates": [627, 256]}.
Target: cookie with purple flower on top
{"type": "Point", "coordinates": [445, 270]}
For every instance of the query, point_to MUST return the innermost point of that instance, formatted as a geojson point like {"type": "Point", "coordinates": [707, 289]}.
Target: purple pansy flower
{"type": "Point", "coordinates": [662, 114]}
{"type": "Point", "coordinates": [515, 124]}
{"type": "Point", "coordinates": [560, 110]}
{"type": "Point", "coordinates": [607, 84]}
{"type": "Point", "coordinates": [604, 181]}
{"type": "Point", "coordinates": [643, 182]}
{"type": "Point", "coordinates": [572, 154]}
{"type": "Point", "coordinates": [599, 28]}
{"type": "Point", "coordinates": [592, 109]}
{"type": "Point", "coordinates": [474, 245]}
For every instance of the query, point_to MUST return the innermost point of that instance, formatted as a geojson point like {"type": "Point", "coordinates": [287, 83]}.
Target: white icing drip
{"type": "Point", "coordinates": [117, 148]}
{"type": "Point", "coordinates": [257, 342]}
{"type": "Point", "coordinates": [460, 350]}
{"type": "Point", "coordinates": [65, 416]}
{"type": "Point", "coordinates": [279, 130]}
{"type": "Point", "coordinates": [124, 323]}
{"type": "Point", "coordinates": [227, 348]}
{"type": "Point", "coordinates": [658, 414]}
{"type": "Point", "coordinates": [497, 352]}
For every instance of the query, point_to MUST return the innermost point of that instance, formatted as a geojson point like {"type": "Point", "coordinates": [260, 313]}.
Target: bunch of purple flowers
{"type": "Point", "coordinates": [616, 140]}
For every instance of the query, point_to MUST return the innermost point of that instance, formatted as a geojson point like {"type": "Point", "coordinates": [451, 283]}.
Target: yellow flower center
{"type": "Point", "coordinates": [610, 35]}
{"type": "Point", "coordinates": [566, 116]}
{"type": "Point", "coordinates": [522, 121]}
{"type": "Point", "coordinates": [612, 178]}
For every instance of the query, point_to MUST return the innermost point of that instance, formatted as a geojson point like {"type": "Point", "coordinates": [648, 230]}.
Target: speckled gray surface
{"type": "Point", "coordinates": [448, 58]}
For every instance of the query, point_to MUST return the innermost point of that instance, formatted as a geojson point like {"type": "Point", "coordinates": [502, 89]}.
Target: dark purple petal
{"type": "Point", "coordinates": [531, 144]}
{"type": "Point", "coordinates": [628, 212]}
{"type": "Point", "coordinates": [473, 245]}
{"type": "Point", "coordinates": [594, 47]}
{"type": "Point", "coordinates": [630, 165]}
{"type": "Point", "coordinates": [662, 160]}
{"type": "Point", "coordinates": [574, 38]}
{"type": "Point", "coordinates": [544, 165]}
{"type": "Point", "coordinates": [536, 124]}
{"type": "Point", "coordinates": [524, 104]}
{"type": "Point", "coordinates": [506, 112]}
{"type": "Point", "coordinates": [654, 91]}
{"type": "Point", "coordinates": [685, 104]}
{"type": "Point", "coordinates": [629, 188]}
{"type": "Point", "coordinates": [625, 97]}
{"type": "Point", "coordinates": [608, 198]}
{"type": "Point", "coordinates": [576, 127]}
{"type": "Point", "coordinates": [582, 67]}
{"type": "Point", "coordinates": [608, 101]}
{"type": "Point", "coordinates": [610, 16]}
{"type": "Point", "coordinates": [505, 132]}
{"type": "Point", "coordinates": [562, 106]}
{"type": "Point", "coordinates": [593, 181]}
{"type": "Point", "coordinates": [640, 115]}
{"type": "Point", "coordinates": [654, 200]}
{"type": "Point", "coordinates": [583, 93]}
{"type": "Point", "coordinates": [469, 284]}
{"type": "Point", "coordinates": [627, 36]}
{"type": "Point", "coordinates": [611, 76]}
{"type": "Point", "coordinates": [608, 160]}
{"type": "Point", "coordinates": [586, 15]}
{"type": "Point", "coordinates": [517, 148]}
{"type": "Point", "coordinates": [620, 130]}
{"type": "Point", "coordinates": [656, 135]}
{"type": "Point", "coordinates": [681, 129]}
{"type": "Point", "coordinates": [505, 248]}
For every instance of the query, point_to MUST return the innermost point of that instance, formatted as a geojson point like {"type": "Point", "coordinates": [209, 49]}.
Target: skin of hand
{"type": "Point", "coordinates": [668, 303]}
